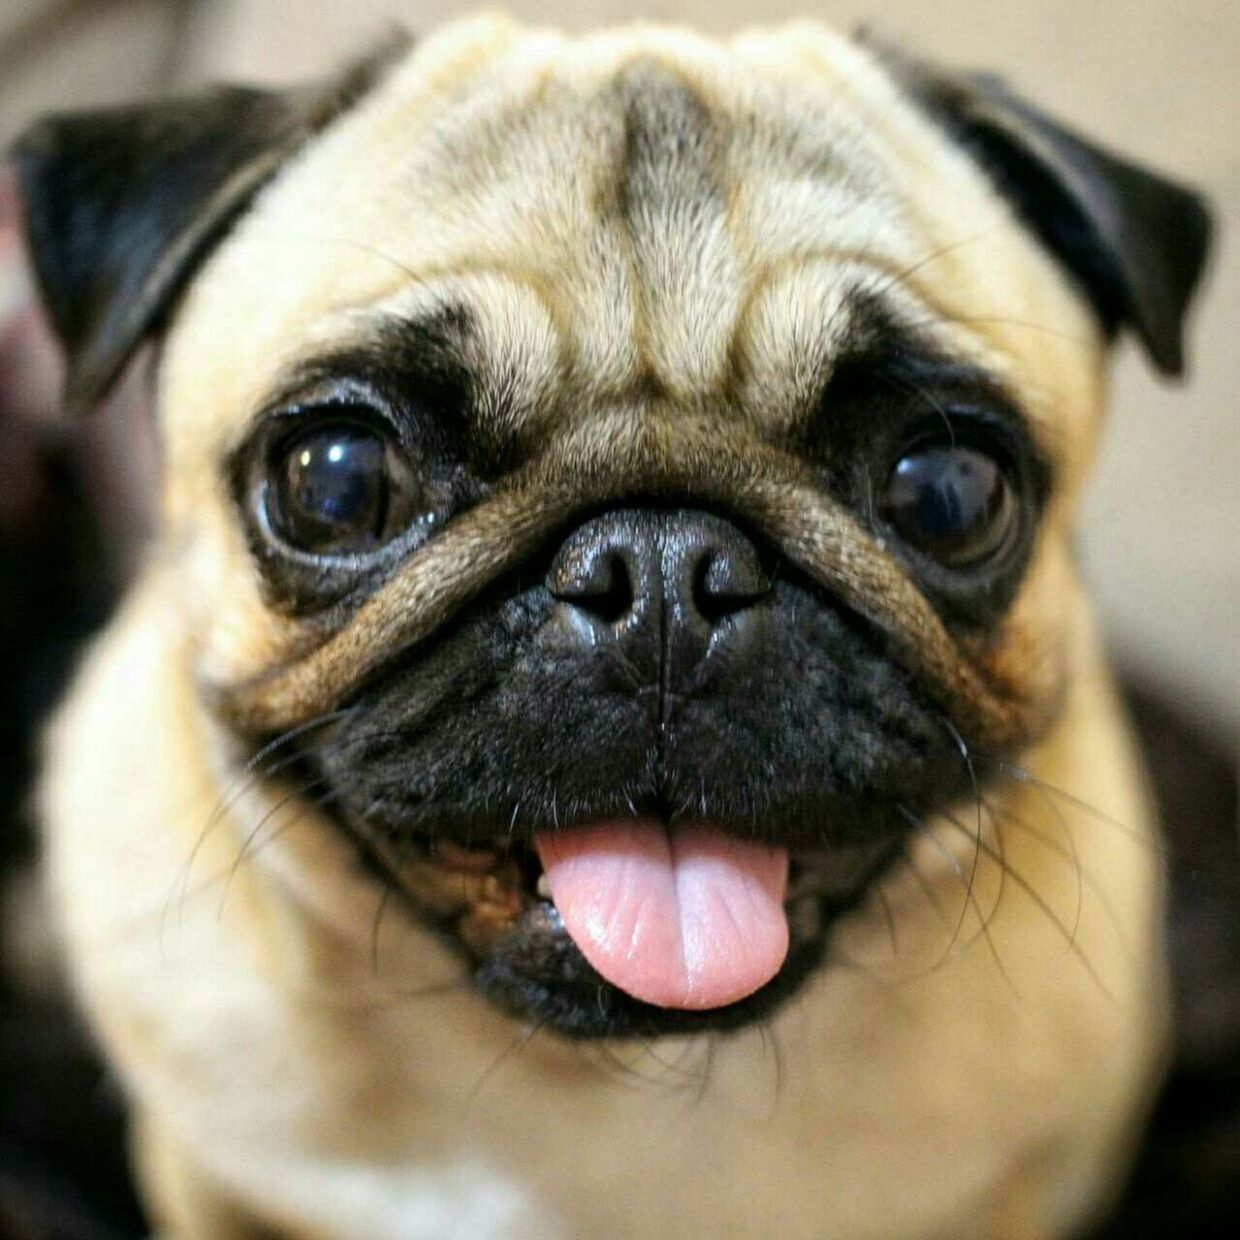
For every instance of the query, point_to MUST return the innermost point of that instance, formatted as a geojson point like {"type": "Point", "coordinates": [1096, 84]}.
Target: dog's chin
{"type": "Point", "coordinates": [494, 904]}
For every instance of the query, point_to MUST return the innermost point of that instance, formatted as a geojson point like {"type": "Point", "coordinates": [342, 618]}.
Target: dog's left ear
{"type": "Point", "coordinates": [1135, 242]}
{"type": "Point", "coordinates": [121, 205]}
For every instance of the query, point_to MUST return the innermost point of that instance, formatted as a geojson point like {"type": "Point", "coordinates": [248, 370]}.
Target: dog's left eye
{"type": "Point", "coordinates": [954, 503]}
{"type": "Point", "coordinates": [340, 487]}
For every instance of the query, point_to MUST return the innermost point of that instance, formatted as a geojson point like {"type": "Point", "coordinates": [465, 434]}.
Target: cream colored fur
{"type": "Point", "coordinates": [965, 1066]}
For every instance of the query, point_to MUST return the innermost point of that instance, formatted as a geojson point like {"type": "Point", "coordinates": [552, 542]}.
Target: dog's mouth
{"type": "Point", "coordinates": [645, 824]}
{"type": "Point", "coordinates": [633, 926]}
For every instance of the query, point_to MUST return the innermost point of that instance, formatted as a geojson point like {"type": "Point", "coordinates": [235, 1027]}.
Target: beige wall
{"type": "Point", "coordinates": [1158, 79]}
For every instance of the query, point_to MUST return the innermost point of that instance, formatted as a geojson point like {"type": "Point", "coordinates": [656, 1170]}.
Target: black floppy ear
{"type": "Point", "coordinates": [1135, 242]}
{"type": "Point", "coordinates": [122, 204]}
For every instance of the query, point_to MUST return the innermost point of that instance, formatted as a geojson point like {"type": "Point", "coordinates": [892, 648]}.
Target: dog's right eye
{"type": "Point", "coordinates": [339, 488]}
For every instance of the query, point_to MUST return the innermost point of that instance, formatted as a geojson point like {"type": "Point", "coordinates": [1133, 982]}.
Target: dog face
{"type": "Point", "coordinates": [633, 477]}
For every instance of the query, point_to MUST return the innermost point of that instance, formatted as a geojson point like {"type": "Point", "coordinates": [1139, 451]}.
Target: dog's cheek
{"type": "Point", "coordinates": [1029, 655]}
{"type": "Point", "coordinates": [214, 585]}
{"type": "Point", "coordinates": [825, 730]}
{"type": "Point", "coordinates": [486, 722]}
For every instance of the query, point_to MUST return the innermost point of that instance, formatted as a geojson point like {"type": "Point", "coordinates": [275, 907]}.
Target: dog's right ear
{"type": "Point", "coordinates": [121, 205]}
{"type": "Point", "coordinates": [1134, 241]}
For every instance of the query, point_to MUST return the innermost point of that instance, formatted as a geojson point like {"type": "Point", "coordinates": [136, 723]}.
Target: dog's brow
{"type": "Point", "coordinates": [881, 344]}
{"type": "Point", "coordinates": [399, 357]}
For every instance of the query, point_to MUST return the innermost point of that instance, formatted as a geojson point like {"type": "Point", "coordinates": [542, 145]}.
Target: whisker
{"type": "Point", "coordinates": [927, 889]}
{"type": "Point", "coordinates": [145, 918]}
{"type": "Point", "coordinates": [604, 1060]}
{"type": "Point", "coordinates": [1076, 857]}
{"type": "Point", "coordinates": [512, 828]}
{"type": "Point", "coordinates": [915, 389]}
{"type": "Point", "coordinates": [244, 852]}
{"type": "Point", "coordinates": [251, 773]}
{"type": "Point", "coordinates": [391, 885]}
{"type": "Point", "coordinates": [254, 772]}
{"type": "Point", "coordinates": [1021, 775]}
{"type": "Point", "coordinates": [520, 1041]}
{"type": "Point", "coordinates": [965, 320]}
{"type": "Point", "coordinates": [669, 1068]}
{"type": "Point", "coordinates": [966, 754]}
{"type": "Point", "coordinates": [1084, 876]}
{"type": "Point", "coordinates": [970, 898]}
{"type": "Point", "coordinates": [903, 276]}
{"type": "Point", "coordinates": [391, 998]}
{"type": "Point", "coordinates": [708, 1068]}
{"type": "Point", "coordinates": [385, 897]}
{"type": "Point", "coordinates": [871, 511]}
{"type": "Point", "coordinates": [1027, 887]}
{"type": "Point", "coordinates": [771, 1045]}
{"type": "Point", "coordinates": [1002, 847]}
{"type": "Point", "coordinates": [890, 919]}
{"type": "Point", "coordinates": [363, 246]}
{"type": "Point", "coordinates": [938, 318]}
{"type": "Point", "coordinates": [294, 733]}
{"type": "Point", "coordinates": [600, 1058]}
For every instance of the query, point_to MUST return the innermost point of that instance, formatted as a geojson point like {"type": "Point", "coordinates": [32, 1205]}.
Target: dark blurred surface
{"type": "Point", "coordinates": [1187, 1180]}
{"type": "Point", "coordinates": [62, 1162]}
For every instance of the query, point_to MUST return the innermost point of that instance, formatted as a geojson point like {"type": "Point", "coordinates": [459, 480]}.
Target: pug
{"type": "Point", "coordinates": [610, 738]}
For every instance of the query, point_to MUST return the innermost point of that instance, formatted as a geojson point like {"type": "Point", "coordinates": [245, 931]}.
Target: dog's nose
{"type": "Point", "coordinates": [664, 587]}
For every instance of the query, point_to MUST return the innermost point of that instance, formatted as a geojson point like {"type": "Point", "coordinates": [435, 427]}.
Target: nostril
{"type": "Point", "coordinates": [724, 583]}
{"type": "Point", "coordinates": [610, 596]}
{"type": "Point", "coordinates": [596, 580]}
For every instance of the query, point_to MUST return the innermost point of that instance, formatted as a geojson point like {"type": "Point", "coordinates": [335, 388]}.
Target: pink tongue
{"type": "Point", "coordinates": [689, 918]}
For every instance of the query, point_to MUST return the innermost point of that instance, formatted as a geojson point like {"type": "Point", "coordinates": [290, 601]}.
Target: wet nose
{"type": "Point", "coordinates": [663, 587]}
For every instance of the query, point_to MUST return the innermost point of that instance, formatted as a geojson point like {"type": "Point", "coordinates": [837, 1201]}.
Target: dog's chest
{"type": "Point", "coordinates": [439, 1120]}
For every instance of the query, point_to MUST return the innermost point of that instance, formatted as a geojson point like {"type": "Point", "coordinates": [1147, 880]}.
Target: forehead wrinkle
{"type": "Point", "coordinates": [645, 284]}
{"type": "Point", "coordinates": [671, 200]}
{"type": "Point", "coordinates": [792, 321]}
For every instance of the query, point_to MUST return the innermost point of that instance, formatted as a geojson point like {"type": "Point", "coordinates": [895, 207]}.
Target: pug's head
{"type": "Point", "coordinates": [635, 472]}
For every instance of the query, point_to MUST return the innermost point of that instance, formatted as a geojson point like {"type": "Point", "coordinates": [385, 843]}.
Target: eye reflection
{"type": "Point", "coordinates": [338, 487]}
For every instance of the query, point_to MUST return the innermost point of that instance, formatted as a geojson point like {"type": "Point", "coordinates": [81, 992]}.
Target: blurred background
{"type": "Point", "coordinates": [1157, 80]}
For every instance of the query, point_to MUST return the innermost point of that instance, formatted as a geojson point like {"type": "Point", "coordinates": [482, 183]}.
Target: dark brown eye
{"type": "Point", "coordinates": [339, 488]}
{"type": "Point", "coordinates": [952, 502]}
